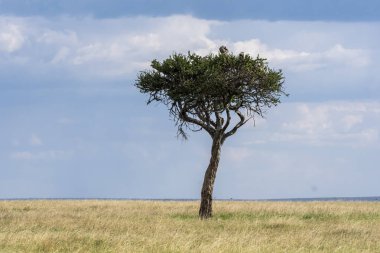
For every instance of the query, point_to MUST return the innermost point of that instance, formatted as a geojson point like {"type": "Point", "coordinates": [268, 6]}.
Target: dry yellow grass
{"type": "Point", "coordinates": [154, 226]}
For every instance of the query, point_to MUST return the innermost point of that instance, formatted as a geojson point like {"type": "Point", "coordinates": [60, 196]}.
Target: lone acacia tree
{"type": "Point", "coordinates": [218, 93]}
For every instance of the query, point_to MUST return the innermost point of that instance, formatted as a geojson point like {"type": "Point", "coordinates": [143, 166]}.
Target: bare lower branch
{"type": "Point", "coordinates": [237, 126]}
{"type": "Point", "coordinates": [185, 117]}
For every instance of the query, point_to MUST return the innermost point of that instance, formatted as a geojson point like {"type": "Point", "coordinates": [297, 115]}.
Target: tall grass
{"type": "Point", "coordinates": [153, 226]}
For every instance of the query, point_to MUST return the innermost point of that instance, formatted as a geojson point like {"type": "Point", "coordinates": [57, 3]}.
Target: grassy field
{"type": "Point", "coordinates": [150, 226]}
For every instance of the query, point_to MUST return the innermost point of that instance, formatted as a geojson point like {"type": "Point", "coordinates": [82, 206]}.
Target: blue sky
{"type": "Point", "coordinates": [73, 125]}
{"type": "Point", "coordinates": [337, 10]}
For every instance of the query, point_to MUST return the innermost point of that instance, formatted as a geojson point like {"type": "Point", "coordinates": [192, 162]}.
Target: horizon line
{"type": "Point", "coordinates": [306, 199]}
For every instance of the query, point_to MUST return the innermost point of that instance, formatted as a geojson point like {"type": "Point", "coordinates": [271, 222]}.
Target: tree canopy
{"type": "Point", "coordinates": [203, 92]}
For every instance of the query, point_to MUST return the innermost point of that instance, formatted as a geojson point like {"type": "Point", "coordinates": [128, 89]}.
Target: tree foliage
{"type": "Point", "coordinates": [206, 92]}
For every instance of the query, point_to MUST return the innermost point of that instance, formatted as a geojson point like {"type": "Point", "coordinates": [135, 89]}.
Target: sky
{"type": "Point", "coordinates": [72, 124]}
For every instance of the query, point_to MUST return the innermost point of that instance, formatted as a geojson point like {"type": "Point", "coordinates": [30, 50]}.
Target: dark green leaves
{"type": "Point", "coordinates": [198, 90]}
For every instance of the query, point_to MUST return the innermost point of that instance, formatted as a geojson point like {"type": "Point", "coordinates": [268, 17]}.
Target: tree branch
{"type": "Point", "coordinates": [205, 116]}
{"type": "Point", "coordinates": [183, 115]}
{"type": "Point", "coordinates": [228, 120]}
{"type": "Point", "coordinates": [237, 126]}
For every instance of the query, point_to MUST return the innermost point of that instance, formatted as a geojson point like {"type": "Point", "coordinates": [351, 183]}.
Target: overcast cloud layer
{"type": "Point", "coordinates": [73, 125]}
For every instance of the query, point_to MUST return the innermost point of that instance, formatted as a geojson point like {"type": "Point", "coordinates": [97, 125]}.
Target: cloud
{"type": "Point", "coordinates": [298, 60]}
{"type": "Point", "coordinates": [320, 61]}
{"type": "Point", "coordinates": [39, 155]}
{"type": "Point", "coordinates": [256, 47]}
{"type": "Point", "coordinates": [123, 46]}
{"type": "Point", "coordinates": [11, 36]}
{"type": "Point", "coordinates": [111, 47]}
{"type": "Point", "coordinates": [309, 128]}
{"type": "Point", "coordinates": [335, 123]}
{"type": "Point", "coordinates": [35, 140]}
{"type": "Point", "coordinates": [63, 37]}
{"type": "Point", "coordinates": [339, 124]}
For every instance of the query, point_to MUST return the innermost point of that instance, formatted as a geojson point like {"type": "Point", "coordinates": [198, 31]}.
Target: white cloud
{"type": "Point", "coordinates": [122, 50]}
{"type": "Point", "coordinates": [351, 120]}
{"type": "Point", "coordinates": [65, 37]}
{"type": "Point", "coordinates": [23, 155]}
{"type": "Point", "coordinates": [34, 140]}
{"type": "Point", "coordinates": [11, 36]}
{"type": "Point", "coordinates": [40, 155]}
{"type": "Point", "coordinates": [256, 47]}
{"type": "Point", "coordinates": [123, 46]}
{"type": "Point", "coordinates": [298, 60]}
{"type": "Point", "coordinates": [61, 55]}
{"type": "Point", "coordinates": [334, 123]}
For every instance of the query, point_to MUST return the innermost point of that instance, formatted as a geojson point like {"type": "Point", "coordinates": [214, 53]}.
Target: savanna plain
{"type": "Point", "coordinates": [164, 226]}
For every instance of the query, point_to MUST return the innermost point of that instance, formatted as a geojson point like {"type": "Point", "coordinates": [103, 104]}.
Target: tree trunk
{"type": "Point", "coordinates": [205, 210]}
